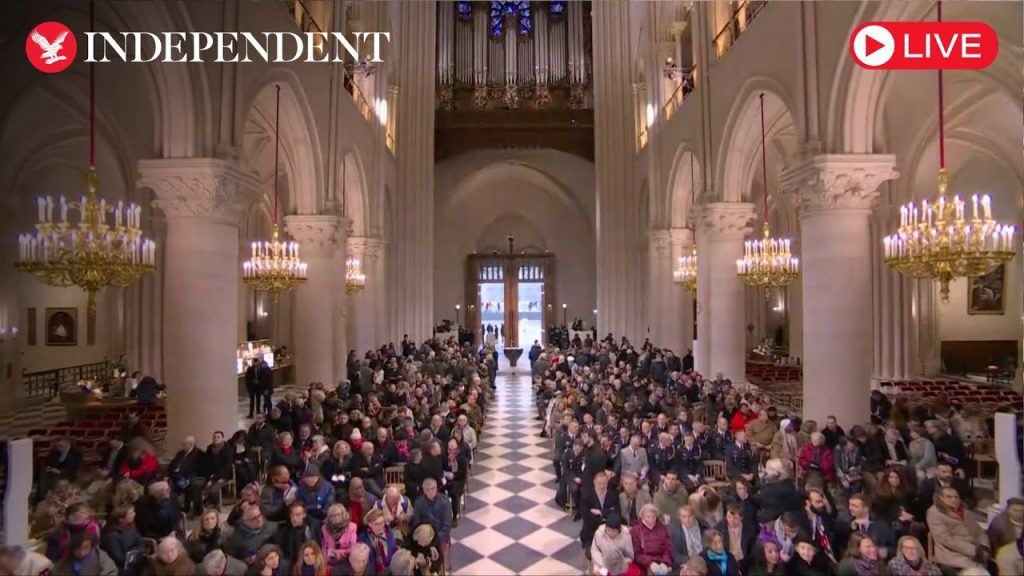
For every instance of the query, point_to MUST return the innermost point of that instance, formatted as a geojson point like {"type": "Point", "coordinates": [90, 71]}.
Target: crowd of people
{"type": "Point", "coordinates": [363, 479]}
{"type": "Point", "coordinates": [672, 473]}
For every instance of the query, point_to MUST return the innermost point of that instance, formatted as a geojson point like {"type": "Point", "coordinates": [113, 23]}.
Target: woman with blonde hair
{"type": "Point", "coordinates": [910, 560]}
{"type": "Point", "coordinates": [310, 561]}
{"type": "Point", "coordinates": [706, 505]}
{"type": "Point", "coordinates": [206, 537]}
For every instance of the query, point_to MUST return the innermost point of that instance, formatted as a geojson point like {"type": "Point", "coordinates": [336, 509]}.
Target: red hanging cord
{"type": "Point", "coordinates": [277, 146]}
{"type": "Point", "coordinates": [92, 92]}
{"type": "Point", "coordinates": [764, 163]}
{"type": "Point", "coordinates": [942, 119]}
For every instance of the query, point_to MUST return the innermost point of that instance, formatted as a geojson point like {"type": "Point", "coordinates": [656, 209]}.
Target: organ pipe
{"type": "Point", "coordinates": [552, 53]}
{"type": "Point", "coordinates": [481, 24]}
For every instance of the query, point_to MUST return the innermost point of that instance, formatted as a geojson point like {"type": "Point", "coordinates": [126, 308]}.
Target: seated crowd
{"type": "Point", "coordinates": [362, 480]}
{"type": "Point", "coordinates": [672, 473]}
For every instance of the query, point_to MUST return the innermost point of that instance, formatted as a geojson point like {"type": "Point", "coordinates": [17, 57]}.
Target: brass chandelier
{"type": "Point", "coordinates": [940, 240]}
{"type": "Point", "coordinates": [767, 262]}
{"type": "Point", "coordinates": [89, 243]}
{"type": "Point", "coordinates": [275, 266]}
{"type": "Point", "coordinates": [685, 273]}
{"type": "Point", "coordinates": [355, 280]}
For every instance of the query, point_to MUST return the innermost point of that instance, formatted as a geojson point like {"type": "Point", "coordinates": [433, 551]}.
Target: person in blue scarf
{"type": "Point", "coordinates": [720, 562]}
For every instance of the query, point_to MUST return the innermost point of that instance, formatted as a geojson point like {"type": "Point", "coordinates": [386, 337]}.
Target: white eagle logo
{"type": "Point", "coordinates": [50, 49]}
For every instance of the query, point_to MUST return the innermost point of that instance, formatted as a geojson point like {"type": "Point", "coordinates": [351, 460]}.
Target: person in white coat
{"type": "Point", "coordinates": [608, 536]}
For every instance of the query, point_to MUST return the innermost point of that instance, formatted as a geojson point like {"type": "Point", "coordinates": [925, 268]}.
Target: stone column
{"type": "Point", "coordinates": [618, 220]}
{"type": "Point", "coordinates": [724, 225]}
{"type": "Point", "coordinates": [313, 321]}
{"type": "Point", "coordinates": [835, 195]}
{"type": "Point", "coordinates": [415, 169]}
{"type": "Point", "coordinates": [203, 200]}
{"type": "Point", "coordinates": [659, 286]}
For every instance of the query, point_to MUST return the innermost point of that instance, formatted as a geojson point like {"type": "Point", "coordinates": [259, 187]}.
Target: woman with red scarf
{"type": "Point", "coordinates": [455, 468]}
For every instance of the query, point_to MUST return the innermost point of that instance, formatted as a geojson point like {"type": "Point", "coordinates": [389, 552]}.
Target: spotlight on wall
{"type": "Point", "coordinates": [650, 114]}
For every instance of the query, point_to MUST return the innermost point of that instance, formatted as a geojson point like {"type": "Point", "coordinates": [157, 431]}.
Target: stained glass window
{"type": "Point", "coordinates": [464, 10]}
{"type": "Point", "coordinates": [557, 7]}
{"type": "Point", "coordinates": [520, 9]}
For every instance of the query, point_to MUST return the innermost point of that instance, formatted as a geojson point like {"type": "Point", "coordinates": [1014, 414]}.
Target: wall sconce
{"type": "Point", "coordinates": [8, 333]}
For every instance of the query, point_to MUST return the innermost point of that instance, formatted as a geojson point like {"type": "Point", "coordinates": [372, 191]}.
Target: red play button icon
{"type": "Point", "coordinates": [871, 45]}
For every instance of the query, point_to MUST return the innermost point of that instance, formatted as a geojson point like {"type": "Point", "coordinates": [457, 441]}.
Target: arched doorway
{"type": "Point", "coordinates": [510, 297]}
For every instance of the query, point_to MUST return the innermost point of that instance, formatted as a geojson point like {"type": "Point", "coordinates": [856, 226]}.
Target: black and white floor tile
{"type": "Point", "coordinates": [511, 525]}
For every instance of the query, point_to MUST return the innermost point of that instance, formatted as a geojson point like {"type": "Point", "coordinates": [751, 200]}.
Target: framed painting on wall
{"type": "Point", "coordinates": [987, 294]}
{"type": "Point", "coordinates": [61, 326]}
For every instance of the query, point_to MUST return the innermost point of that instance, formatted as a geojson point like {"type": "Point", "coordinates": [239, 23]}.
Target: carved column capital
{"type": "Point", "coordinates": [681, 237]}
{"type": "Point", "coordinates": [200, 188]}
{"type": "Point", "coordinates": [659, 240]}
{"type": "Point", "coordinates": [366, 248]}
{"type": "Point", "coordinates": [838, 181]}
{"type": "Point", "coordinates": [316, 233]}
{"type": "Point", "coordinates": [726, 220]}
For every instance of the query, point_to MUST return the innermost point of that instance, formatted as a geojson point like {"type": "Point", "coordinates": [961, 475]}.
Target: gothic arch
{"type": "Point", "coordinates": [684, 188]}
{"type": "Point", "coordinates": [738, 160]}
{"type": "Point", "coordinates": [300, 141]}
{"type": "Point", "coordinates": [354, 193]}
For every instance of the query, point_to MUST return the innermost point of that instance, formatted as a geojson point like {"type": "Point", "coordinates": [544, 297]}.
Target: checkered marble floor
{"type": "Point", "coordinates": [510, 524]}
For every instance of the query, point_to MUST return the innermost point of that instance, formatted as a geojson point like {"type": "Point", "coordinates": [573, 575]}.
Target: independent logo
{"type": "Point", "coordinates": [51, 47]}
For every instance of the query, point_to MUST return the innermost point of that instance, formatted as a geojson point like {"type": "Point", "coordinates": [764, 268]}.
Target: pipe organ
{"type": "Point", "coordinates": [509, 55]}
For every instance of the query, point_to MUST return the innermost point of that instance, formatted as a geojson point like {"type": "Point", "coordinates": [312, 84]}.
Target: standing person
{"type": "Point", "coordinates": [252, 386]}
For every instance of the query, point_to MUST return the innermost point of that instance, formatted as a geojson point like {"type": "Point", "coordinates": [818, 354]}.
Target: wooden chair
{"type": "Point", "coordinates": [714, 473]}
{"type": "Point", "coordinates": [149, 546]}
{"type": "Point", "coordinates": [230, 484]}
{"type": "Point", "coordinates": [395, 476]}
{"type": "Point", "coordinates": [984, 453]}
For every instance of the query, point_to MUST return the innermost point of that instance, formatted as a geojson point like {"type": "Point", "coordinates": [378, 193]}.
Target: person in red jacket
{"type": "Point", "coordinates": [742, 417]}
{"type": "Point", "coordinates": [141, 464]}
{"type": "Point", "coordinates": [651, 541]}
{"type": "Point", "coordinates": [816, 459]}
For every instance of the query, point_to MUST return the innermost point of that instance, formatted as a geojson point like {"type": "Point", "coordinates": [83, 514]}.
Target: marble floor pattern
{"type": "Point", "coordinates": [510, 524]}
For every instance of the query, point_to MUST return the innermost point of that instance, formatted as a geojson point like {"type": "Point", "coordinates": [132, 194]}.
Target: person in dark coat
{"type": "Point", "coordinates": [252, 387]}
{"type": "Point", "coordinates": [147, 391]}
{"type": "Point", "coordinates": [778, 495]}
{"type": "Point", "coordinates": [159, 515]}
{"type": "Point", "coordinates": [186, 472]}
{"type": "Point", "coordinates": [719, 560]}
{"type": "Point", "coordinates": [733, 525]}
{"type": "Point", "coordinates": [596, 503]}
{"type": "Point", "coordinates": [120, 539]}
{"type": "Point", "coordinates": [206, 537]}
{"type": "Point", "coordinates": [217, 465]}
{"type": "Point", "coordinates": [807, 559]}
{"type": "Point", "coordinates": [286, 454]}
{"type": "Point", "coordinates": [296, 531]}
{"type": "Point", "coordinates": [265, 384]}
